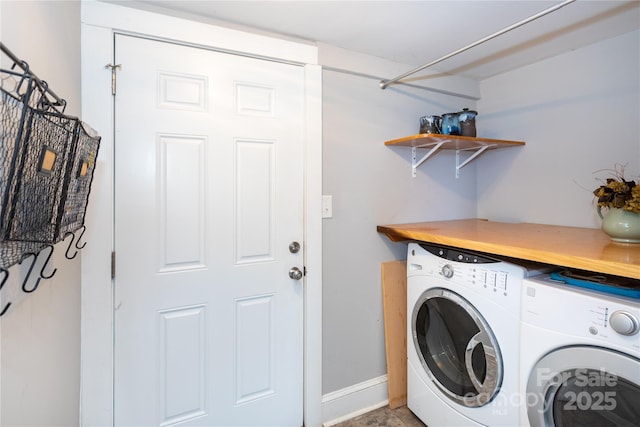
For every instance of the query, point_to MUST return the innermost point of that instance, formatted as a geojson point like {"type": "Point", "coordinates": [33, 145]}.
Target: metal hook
{"type": "Point", "coordinates": [26, 279]}
{"type": "Point", "coordinates": [24, 77]}
{"type": "Point", "coordinates": [4, 280]}
{"type": "Point", "coordinates": [43, 101]}
{"type": "Point", "coordinates": [47, 262]}
{"type": "Point", "coordinates": [21, 64]}
{"type": "Point", "coordinates": [66, 254]}
{"type": "Point", "coordinates": [83, 228]}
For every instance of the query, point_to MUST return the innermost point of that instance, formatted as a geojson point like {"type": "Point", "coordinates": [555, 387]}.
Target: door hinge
{"type": "Point", "coordinates": [113, 265]}
{"type": "Point", "coordinates": [113, 76]}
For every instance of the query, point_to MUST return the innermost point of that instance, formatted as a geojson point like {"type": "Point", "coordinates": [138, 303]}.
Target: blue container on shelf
{"type": "Point", "coordinates": [451, 124]}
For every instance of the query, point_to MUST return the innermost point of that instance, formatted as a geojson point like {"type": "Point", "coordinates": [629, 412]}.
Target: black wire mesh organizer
{"type": "Point", "coordinates": [47, 162]}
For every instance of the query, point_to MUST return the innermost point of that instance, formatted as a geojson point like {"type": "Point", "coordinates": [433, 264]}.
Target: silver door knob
{"type": "Point", "coordinates": [295, 273]}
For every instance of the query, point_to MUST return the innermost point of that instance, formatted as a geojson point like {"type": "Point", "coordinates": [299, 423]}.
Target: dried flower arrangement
{"type": "Point", "coordinates": [618, 192]}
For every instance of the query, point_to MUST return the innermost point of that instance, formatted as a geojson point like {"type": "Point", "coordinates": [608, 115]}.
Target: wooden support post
{"type": "Point", "coordinates": [394, 297]}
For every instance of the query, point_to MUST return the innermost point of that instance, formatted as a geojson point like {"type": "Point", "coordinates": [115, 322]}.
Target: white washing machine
{"type": "Point", "coordinates": [463, 312]}
{"type": "Point", "coordinates": [579, 356]}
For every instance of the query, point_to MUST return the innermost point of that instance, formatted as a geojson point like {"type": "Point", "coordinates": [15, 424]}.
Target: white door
{"type": "Point", "coordinates": [208, 199]}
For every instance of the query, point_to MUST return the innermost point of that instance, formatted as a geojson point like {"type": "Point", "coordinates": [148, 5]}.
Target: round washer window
{"type": "Point", "coordinates": [456, 347]}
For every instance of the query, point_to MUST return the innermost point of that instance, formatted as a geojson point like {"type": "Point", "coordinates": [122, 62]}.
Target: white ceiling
{"type": "Point", "coordinates": [419, 32]}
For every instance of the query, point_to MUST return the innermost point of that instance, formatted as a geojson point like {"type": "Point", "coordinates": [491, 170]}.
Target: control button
{"type": "Point", "coordinates": [593, 330]}
{"type": "Point", "coordinates": [624, 323]}
{"type": "Point", "coordinates": [447, 271]}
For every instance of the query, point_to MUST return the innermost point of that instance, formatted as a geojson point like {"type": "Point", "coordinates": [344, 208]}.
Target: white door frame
{"type": "Point", "coordinates": [99, 23]}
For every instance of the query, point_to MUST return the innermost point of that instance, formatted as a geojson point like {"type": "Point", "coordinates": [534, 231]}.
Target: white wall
{"type": "Point", "coordinates": [578, 114]}
{"type": "Point", "coordinates": [40, 333]}
{"type": "Point", "coordinates": [371, 184]}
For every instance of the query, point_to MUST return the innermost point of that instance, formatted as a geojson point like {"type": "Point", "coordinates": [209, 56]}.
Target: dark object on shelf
{"type": "Point", "coordinates": [430, 124]}
{"type": "Point", "coordinates": [467, 119]}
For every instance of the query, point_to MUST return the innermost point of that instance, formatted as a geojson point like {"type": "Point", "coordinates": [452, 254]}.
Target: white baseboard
{"type": "Point", "coordinates": [354, 400]}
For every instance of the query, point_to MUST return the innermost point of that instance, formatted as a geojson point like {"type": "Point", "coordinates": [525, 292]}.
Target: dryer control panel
{"type": "Point", "coordinates": [581, 313]}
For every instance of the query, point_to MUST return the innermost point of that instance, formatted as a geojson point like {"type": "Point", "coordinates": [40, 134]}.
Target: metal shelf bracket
{"type": "Point", "coordinates": [478, 151]}
{"type": "Point", "coordinates": [414, 155]}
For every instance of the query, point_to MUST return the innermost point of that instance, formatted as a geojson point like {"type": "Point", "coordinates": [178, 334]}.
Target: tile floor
{"type": "Point", "coordinates": [384, 417]}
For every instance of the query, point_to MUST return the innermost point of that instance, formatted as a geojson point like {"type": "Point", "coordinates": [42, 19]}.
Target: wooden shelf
{"type": "Point", "coordinates": [435, 142]}
{"type": "Point", "coordinates": [452, 142]}
{"type": "Point", "coordinates": [573, 247]}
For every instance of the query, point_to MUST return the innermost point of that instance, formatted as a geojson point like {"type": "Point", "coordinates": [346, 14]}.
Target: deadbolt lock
{"type": "Point", "coordinates": [294, 247]}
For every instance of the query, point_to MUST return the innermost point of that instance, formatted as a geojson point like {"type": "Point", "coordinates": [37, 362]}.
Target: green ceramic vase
{"type": "Point", "coordinates": [622, 226]}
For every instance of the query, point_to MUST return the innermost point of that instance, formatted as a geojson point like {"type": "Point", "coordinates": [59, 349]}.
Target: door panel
{"type": "Point", "coordinates": [181, 180]}
{"type": "Point", "coordinates": [182, 363]}
{"type": "Point", "coordinates": [255, 201]}
{"type": "Point", "coordinates": [254, 348]}
{"type": "Point", "coordinates": [208, 190]}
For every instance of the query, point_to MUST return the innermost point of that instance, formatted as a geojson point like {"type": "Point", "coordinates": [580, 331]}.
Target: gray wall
{"type": "Point", "coordinates": [40, 333]}
{"type": "Point", "coordinates": [578, 114]}
{"type": "Point", "coordinates": [371, 184]}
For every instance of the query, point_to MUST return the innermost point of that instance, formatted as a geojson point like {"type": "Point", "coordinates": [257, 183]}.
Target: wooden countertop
{"type": "Point", "coordinates": [574, 247]}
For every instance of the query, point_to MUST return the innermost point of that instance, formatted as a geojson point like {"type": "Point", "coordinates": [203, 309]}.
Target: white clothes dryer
{"type": "Point", "coordinates": [579, 356]}
{"type": "Point", "coordinates": [463, 312]}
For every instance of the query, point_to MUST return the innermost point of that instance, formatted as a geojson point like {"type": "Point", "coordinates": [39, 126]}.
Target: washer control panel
{"type": "Point", "coordinates": [489, 276]}
{"type": "Point", "coordinates": [494, 279]}
{"type": "Point", "coordinates": [457, 255]}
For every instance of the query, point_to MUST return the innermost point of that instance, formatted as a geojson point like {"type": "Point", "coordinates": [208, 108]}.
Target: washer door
{"type": "Point", "coordinates": [584, 386]}
{"type": "Point", "coordinates": [456, 347]}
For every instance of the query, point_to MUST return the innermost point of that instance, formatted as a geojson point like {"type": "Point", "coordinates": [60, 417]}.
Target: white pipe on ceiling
{"type": "Point", "coordinates": [385, 83]}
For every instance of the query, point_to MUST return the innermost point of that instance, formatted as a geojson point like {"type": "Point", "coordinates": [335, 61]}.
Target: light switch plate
{"type": "Point", "coordinates": [327, 206]}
